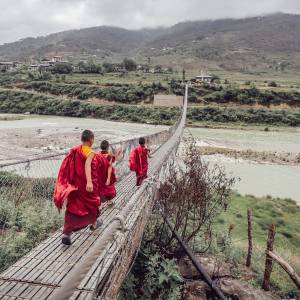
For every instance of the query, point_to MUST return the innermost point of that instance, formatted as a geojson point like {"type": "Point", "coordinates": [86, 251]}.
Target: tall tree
{"type": "Point", "coordinates": [129, 64]}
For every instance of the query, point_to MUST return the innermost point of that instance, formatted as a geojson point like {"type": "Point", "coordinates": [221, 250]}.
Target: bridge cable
{"type": "Point", "coordinates": [205, 276]}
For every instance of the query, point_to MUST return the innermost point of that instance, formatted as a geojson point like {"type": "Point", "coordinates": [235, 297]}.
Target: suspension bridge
{"type": "Point", "coordinates": [96, 263]}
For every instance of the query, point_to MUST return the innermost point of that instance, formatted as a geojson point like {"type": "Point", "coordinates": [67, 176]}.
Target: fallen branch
{"type": "Point", "coordinates": [291, 272]}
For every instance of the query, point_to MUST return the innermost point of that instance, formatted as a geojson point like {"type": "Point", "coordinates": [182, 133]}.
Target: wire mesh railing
{"type": "Point", "coordinates": [36, 177]}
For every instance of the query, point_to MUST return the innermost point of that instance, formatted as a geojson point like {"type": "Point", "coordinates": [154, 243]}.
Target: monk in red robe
{"type": "Point", "coordinates": [141, 155]}
{"type": "Point", "coordinates": [107, 175]}
{"type": "Point", "coordinates": [78, 182]}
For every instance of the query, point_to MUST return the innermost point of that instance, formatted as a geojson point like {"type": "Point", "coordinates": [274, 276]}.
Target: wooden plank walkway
{"type": "Point", "coordinates": [43, 269]}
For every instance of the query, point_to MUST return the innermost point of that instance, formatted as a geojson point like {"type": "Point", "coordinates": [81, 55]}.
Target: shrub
{"type": "Point", "coordinates": [272, 84]}
{"type": "Point", "coordinates": [123, 93]}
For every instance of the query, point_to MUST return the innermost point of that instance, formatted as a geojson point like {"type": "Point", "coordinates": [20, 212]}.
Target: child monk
{"type": "Point", "coordinates": [107, 176]}
{"type": "Point", "coordinates": [78, 182]}
{"type": "Point", "coordinates": [139, 164]}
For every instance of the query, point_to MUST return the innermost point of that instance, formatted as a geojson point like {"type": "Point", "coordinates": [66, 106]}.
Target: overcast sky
{"type": "Point", "coordinates": [23, 18]}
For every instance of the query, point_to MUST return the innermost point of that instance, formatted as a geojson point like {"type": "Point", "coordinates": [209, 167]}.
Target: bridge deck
{"type": "Point", "coordinates": [43, 269]}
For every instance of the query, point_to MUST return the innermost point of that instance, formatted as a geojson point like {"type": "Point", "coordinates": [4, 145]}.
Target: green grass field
{"type": "Point", "coordinates": [130, 78]}
{"type": "Point", "coordinates": [285, 214]}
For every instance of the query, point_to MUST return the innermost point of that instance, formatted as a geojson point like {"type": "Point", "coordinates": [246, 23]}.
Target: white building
{"type": "Point", "coordinates": [204, 78]}
{"type": "Point", "coordinates": [6, 66]}
{"type": "Point", "coordinates": [57, 58]}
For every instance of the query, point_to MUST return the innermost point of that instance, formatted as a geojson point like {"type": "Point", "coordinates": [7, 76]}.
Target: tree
{"type": "Point", "coordinates": [183, 75]}
{"type": "Point", "coordinates": [62, 68]}
{"type": "Point", "coordinates": [192, 197]}
{"type": "Point", "coordinates": [108, 67]}
{"type": "Point", "coordinates": [158, 69]}
{"type": "Point", "coordinates": [89, 67]}
{"type": "Point", "coordinates": [81, 66]}
{"type": "Point", "coordinates": [45, 76]}
{"type": "Point", "coordinates": [92, 67]}
{"type": "Point", "coordinates": [129, 64]}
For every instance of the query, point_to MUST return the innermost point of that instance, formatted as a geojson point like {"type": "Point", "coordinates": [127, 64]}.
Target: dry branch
{"type": "Point", "coordinates": [286, 267]}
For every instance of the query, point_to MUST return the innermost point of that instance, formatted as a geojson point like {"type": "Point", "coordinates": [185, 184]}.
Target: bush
{"type": "Point", "coordinates": [83, 91]}
{"type": "Point", "coordinates": [234, 94]}
{"type": "Point", "coordinates": [27, 220]}
{"type": "Point", "coordinates": [21, 102]}
{"type": "Point", "coordinates": [272, 84]}
{"type": "Point", "coordinates": [62, 68]}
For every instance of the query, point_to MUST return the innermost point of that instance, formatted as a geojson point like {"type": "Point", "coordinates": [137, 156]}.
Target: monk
{"type": "Point", "coordinates": [139, 161]}
{"type": "Point", "coordinates": [107, 175]}
{"type": "Point", "coordinates": [78, 183]}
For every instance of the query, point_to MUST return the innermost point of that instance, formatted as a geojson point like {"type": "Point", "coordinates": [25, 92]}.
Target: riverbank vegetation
{"type": "Point", "coordinates": [115, 92]}
{"type": "Point", "coordinates": [136, 87]}
{"type": "Point", "coordinates": [12, 101]}
{"type": "Point", "coordinates": [234, 94]}
{"type": "Point", "coordinates": [26, 216]}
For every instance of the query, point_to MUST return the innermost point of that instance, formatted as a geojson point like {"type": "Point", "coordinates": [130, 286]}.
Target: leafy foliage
{"type": "Point", "coordinates": [62, 68]}
{"type": "Point", "coordinates": [26, 217]}
{"type": "Point", "coordinates": [152, 277]}
{"type": "Point", "coordinates": [234, 94]}
{"type": "Point", "coordinates": [21, 102]}
{"type": "Point", "coordinates": [117, 93]}
{"type": "Point", "coordinates": [12, 101]}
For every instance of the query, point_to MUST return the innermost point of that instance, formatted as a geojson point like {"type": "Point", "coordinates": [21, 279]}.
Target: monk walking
{"type": "Point", "coordinates": [78, 182]}
{"type": "Point", "coordinates": [139, 161]}
{"type": "Point", "coordinates": [107, 175]}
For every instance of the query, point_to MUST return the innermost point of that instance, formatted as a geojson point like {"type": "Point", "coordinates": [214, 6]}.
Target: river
{"type": "Point", "coordinates": [38, 134]}
{"type": "Point", "coordinates": [259, 179]}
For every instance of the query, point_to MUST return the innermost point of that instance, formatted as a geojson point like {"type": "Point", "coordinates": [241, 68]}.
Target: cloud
{"type": "Point", "coordinates": [23, 18]}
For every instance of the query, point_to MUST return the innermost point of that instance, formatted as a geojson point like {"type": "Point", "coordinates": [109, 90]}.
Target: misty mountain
{"type": "Point", "coordinates": [253, 38]}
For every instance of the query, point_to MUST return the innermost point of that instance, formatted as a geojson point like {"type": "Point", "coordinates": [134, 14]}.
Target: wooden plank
{"type": "Point", "coordinates": [30, 291]}
{"type": "Point", "coordinates": [7, 287]}
{"type": "Point", "coordinates": [43, 293]}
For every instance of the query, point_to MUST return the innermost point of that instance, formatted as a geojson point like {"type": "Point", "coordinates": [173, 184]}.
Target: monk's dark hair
{"type": "Point", "coordinates": [142, 141]}
{"type": "Point", "coordinates": [104, 145]}
{"type": "Point", "coordinates": [87, 135]}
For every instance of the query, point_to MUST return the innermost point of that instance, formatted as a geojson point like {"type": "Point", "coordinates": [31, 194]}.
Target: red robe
{"type": "Point", "coordinates": [82, 206]}
{"type": "Point", "coordinates": [141, 163]}
{"type": "Point", "coordinates": [106, 192]}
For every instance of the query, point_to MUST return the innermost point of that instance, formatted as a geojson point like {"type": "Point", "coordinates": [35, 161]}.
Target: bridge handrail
{"type": "Point", "coordinates": [115, 144]}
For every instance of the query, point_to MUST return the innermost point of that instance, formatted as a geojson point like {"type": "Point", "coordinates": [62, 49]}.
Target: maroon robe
{"type": "Point", "coordinates": [141, 164]}
{"type": "Point", "coordinates": [82, 206]}
{"type": "Point", "coordinates": [106, 192]}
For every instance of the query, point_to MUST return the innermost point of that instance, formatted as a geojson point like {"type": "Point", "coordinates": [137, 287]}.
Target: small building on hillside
{"type": "Point", "coordinates": [168, 100]}
{"type": "Point", "coordinates": [6, 66]}
{"type": "Point", "coordinates": [44, 67]}
{"type": "Point", "coordinates": [34, 67]}
{"type": "Point", "coordinates": [46, 61]}
{"type": "Point", "coordinates": [204, 78]}
{"type": "Point", "coordinates": [57, 59]}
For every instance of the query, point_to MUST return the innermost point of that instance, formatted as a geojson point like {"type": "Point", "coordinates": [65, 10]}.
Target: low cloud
{"type": "Point", "coordinates": [23, 18]}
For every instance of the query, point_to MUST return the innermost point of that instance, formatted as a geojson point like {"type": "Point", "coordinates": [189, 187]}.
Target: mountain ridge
{"type": "Point", "coordinates": [254, 38]}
